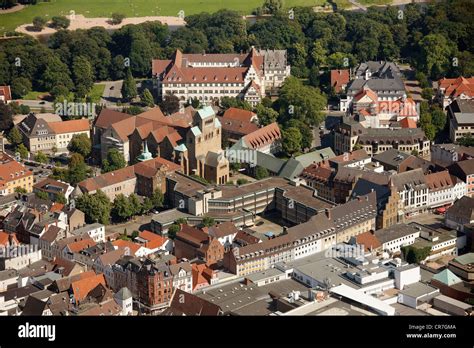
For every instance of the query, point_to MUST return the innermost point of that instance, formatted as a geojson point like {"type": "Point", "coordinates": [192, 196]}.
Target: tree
{"type": "Point", "coordinates": [42, 195]}
{"type": "Point", "coordinates": [147, 98]}
{"type": "Point", "coordinates": [242, 181]}
{"type": "Point", "coordinates": [121, 208]}
{"type": "Point", "coordinates": [173, 230]}
{"type": "Point", "coordinates": [20, 87]}
{"type": "Point", "coordinates": [261, 173]}
{"type": "Point", "coordinates": [60, 198]}
{"type": "Point", "coordinates": [81, 144]}
{"type": "Point", "coordinates": [135, 234]}
{"type": "Point", "coordinates": [305, 130]}
{"type": "Point", "coordinates": [77, 169]}
{"type": "Point", "coordinates": [170, 104]}
{"type": "Point", "coordinates": [319, 54]}
{"type": "Point", "coordinates": [231, 102]}
{"type": "Point", "coordinates": [14, 137]}
{"type": "Point", "coordinates": [272, 6]}
{"type": "Point", "coordinates": [208, 221]}
{"type": "Point", "coordinates": [147, 205]}
{"type": "Point", "coordinates": [6, 116]}
{"type": "Point", "coordinates": [415, 255]}
{"type": "Point", "coordinates": [135, 204]}
{"type": "Point", "coordinates": [435, 54]}
{"type": "Point", "coordinates": [96, 207]}
{"type": "Point", "coordinates": [133, 110]}
{"type": "Point", "coordinates": [20, 190]}
{"type": "Point", "coordinates": [60, 22]}
{"type": "Point", "coordinates": [157, 199]}
{"type": "Point", "coordinates": [41, 157]}
{"type": "Point", "coordinates": [22, 150]}
{"type": "Point", "coordinates": [129, 87]}
{"type": "Point", "coordinates": [291, 140]}
{"type": "Point", "coordinates": [39, 23]}
{"type": "Point", "coordinates": [83, 76]}
{"type": "Point", "coordinates": [113, 161]}
{"type": "Point", "coordinates": [466, 140]}
{"type": "Point", "coordinates": [117, 18]}
{"type": "Point", "coordinates": [265, 115]}
{"type": "Point", "coordinates": [301, 102]}
{"type": "Point", "coordinates": [427, 93]}
{"type": "Point", "coordinates": [438, 118]}
{"type": "Point", "coordinates": [57, 74]}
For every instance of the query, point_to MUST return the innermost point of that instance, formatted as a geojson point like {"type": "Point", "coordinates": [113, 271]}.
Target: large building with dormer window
{"type": "Point", "coordinates": [209, 77]}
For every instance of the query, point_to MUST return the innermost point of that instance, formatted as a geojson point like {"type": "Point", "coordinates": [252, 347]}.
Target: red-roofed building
{"type": "Point", "coordinates": [240, 115]}
{"type": "Point", "coordinates": [368, 240]}
{"type": "Point", "coordinates": [191, 243]}
{"type": "Point", "coordinates": [142, 178]}
{"type": "Point", "coordinates": [5, 94]}
{"type": "Point", "coordinates": [340, 79]}
{"type": "Point", "coordinates": [266, 139]}
{"type": "Point", "coordinates": [230, 75]}
{"type": "Point", "coordinates": [81, 288]}
{"type": "Point", "coordinates": [450, 89]}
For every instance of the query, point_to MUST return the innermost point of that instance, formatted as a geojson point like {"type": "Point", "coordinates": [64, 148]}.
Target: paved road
{"type": "Point", "coordinates": [360, 6]}
{"type": "Point", "coordinates": [36, 104]}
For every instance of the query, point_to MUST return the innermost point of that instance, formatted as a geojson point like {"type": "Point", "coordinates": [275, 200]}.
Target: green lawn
{"type": "Point", "coordinates": [132, 8]}
{"type": "Point", "coordinates": [97, 92]}
{"type": "Point", "coordinates": [34, 95]}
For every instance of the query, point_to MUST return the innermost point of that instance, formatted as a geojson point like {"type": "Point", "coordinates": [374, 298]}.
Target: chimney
{"type": "Point", "coordinates": [328, 213]}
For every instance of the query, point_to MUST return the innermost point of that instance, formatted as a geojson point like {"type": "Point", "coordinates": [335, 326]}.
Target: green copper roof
{"type": "Point", "coordinates": [465, 259]}
{"type": "Point", "coordinates": [145, 155]}
{"type": "Point", "coordinates": [447, 277]}
{"type": "Point", "coordinates": [205, 112]}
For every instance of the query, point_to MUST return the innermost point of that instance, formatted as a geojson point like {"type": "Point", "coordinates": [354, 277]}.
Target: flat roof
{"type": "Point", "coordinates": [229, 191]}
{"type": "Point", "coordinates": [418, 289]}
{"type": "Point", "coordinates": [364, 299]}
{"type": "Point", "coordinates": [454, 302]}
{"type": "Point", "coordinates": [269, 273]}
{"type": "Point", "coordinates": [170, 215]}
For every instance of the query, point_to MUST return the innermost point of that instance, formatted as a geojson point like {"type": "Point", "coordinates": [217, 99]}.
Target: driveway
{"type": "Point", "coordinates": [112, 92]}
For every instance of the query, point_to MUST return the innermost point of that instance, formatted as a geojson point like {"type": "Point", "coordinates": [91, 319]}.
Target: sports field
{"type": "Point", "coordinates": [135, 8]}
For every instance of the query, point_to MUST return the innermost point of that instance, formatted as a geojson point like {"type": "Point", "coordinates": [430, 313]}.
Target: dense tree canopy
{"type": "Point", "coordinates": [436, 39]}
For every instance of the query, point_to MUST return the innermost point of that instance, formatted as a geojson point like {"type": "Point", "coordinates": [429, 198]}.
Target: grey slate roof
{"type": "Point", "coordinates": [463, 209]}
{"type": "Point", "coordinates": [414, 179]}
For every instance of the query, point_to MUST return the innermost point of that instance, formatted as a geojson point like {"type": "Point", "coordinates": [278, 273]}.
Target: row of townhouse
{"type": "Point", "coordinates": [322, 231]}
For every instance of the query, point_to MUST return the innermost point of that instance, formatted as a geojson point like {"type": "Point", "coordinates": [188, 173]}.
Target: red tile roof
{"type": "Point", "coordinates": [71, 126]}
{"type": "Point", "coordinates": [153, 240]}
{"type": "Point", "coordinates": [339, 78]}
{"type": "Point", "coordinates": [366, 92]}
{"type": "Point", "coordinates": [4, 239]}
{"type": "Point", "coordinates": [147, 169]}
{"type": "Point", "coordinates": [439, 181]}
{"type": "Point", "coordinates": [263, 136]}
{"type": "Point", "coordinates": [132, 247]}
{"type": "Point", "coordinates": [6, 93]}
{"type": "Point", "coordinates": [179, 71]}
{"type": "Point", "coordinates": [368, 240]}
{"type": "Point", "coordinates": [107, 117]}
{"type": "Point", "coordinates": [455, 87]}
{"type": "Point", "coordinates": [408, 123]}
{"type": "Point", "coordinates": [82, 287]}
{"type": "Point", "coordinates": [239, 114]}
{"type": "Point", "coordinates": [75, 247]}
